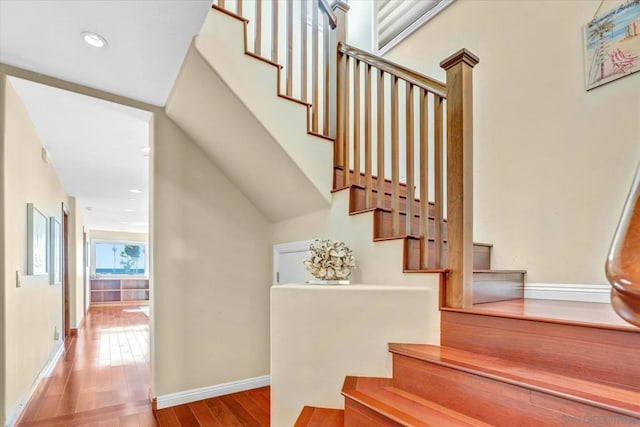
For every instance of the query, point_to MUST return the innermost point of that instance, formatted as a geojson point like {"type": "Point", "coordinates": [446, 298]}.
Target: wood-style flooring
{"type": "Point", "coordinates": [102, 379]}
{"type": "Point", "coordinates": [246, 409]}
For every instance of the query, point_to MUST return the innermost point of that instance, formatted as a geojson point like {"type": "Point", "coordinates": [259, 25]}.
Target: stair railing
{"type": "Point", "coordinates": [391, 139]}
{"type": "Point", "coordinates": [380, 104]}
{"type": "Point", "coordinates": [350, 94]}
{"type": "Point", "coordinates": [300, 36]}
{"type": "Point", "coordinates": [623, 262]}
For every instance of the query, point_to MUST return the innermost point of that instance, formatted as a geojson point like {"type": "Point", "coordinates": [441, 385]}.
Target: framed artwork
{"type": "Point", "coordinates": [612, 45]}
{"type": "Point", "coordinates": [55, 272]}
{"type": "Point", "coordinates": [37, 241]}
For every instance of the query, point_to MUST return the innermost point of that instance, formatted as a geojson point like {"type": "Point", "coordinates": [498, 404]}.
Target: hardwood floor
{"type": "Point", "coordinates": [103, 376]}
{"type": "Point", "coordinates": [246, 409]}
{"type": "Point", "coordinates": [102, 379]}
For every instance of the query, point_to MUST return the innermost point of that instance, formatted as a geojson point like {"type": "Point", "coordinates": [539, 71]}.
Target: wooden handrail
{"type": "Point", "coordinates": [623, 263]}
{"type": "Point", "coordinates": [431, 85]}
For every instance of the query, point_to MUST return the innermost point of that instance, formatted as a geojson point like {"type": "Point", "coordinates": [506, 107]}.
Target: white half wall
{"type": "Point", "coordinates": [320, 334]}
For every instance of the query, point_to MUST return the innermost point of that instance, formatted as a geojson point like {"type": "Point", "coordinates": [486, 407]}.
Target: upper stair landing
{"type": "Point", "coordinates": [227, 102]}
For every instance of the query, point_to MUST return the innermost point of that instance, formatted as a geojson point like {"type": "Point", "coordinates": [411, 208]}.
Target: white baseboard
{"type": "Point", "coordinates": [187, 396]}
{"type": "Point", "coordinates": [45, 373]}
{"type": "Point", "coordinates": [568, 292]}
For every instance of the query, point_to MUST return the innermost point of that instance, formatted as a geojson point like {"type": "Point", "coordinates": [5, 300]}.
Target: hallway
{"type": "Point", "coordinates": [102, 377]}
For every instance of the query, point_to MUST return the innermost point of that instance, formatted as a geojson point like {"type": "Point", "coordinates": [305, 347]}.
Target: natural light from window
{"type": "Point", "coordinates": [120, 258]}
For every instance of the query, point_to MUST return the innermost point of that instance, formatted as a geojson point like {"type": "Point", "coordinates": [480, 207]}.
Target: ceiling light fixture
{"type": "Point", "coordinates": [94, 39]}
{"type": "Point", "coordinates": [128, 210]}
{"type": "Point", "coordinates": [146, 150]}
{"type": "Point", "coordinates": [135, 190]}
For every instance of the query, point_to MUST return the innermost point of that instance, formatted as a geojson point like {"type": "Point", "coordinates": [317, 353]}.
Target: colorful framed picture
{"type": "Point", "coordinates": [55, 272]}
{"type": "Point", "coordinates": [37, 242]}
{"type": "Point", "coordinates": [612, 45]}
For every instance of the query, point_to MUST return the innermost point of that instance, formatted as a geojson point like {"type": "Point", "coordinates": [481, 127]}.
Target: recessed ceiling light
{"type": "Point", "coordinates": [128, 210]}
{"type": "Point", "coordinates": [93, 39]}
{"type": "Point", "coordinates": [146, 150]}
{"type": "Point", "coordinates": [135, 190]}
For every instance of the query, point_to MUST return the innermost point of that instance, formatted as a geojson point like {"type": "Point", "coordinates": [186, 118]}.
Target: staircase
{"type": "Point", "coordinates": [501, 369]}
{"type": "Point", "coordinates": [492, 367]}
{"type": "Point", "coordinates": [356, 128]}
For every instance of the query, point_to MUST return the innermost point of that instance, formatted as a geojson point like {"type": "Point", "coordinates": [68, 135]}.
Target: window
{"type": "Point", "coordinates": [396, 19]}
{"type": "Point", "coordinates": [120, 258]}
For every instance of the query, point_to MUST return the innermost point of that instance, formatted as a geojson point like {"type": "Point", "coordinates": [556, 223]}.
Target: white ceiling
{"type": "Point", "coordinates": [147, 41]}
{"type": "Point", "coordinates": [96, 148]}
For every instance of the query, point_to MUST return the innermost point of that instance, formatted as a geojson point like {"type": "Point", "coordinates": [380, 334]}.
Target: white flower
{"type": "Point", "coordinates": [329, 260]}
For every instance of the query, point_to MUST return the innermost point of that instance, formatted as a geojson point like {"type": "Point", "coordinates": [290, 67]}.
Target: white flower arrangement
{"type": "Point", "coordinates": [329, 260]}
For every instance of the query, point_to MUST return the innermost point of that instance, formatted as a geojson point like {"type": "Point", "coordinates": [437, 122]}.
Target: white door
{"type": "Point", "coordinates": [287, 263]}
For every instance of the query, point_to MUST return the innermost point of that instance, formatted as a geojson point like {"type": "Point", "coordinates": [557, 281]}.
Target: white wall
{"type": "Point", "coordinates": [553, 163]}
{"type": "Point", "coordinates": [76, 264]}
{"type": "Point", "coordinates": [360, 24]}
{"type": "Point", "coordinates": [377, 263]}
{"type": "Point", "coordinates": [211, 254]}
{"type": "Point", "coordinates": [3, 318]}
{"type": "Point", "coordinates": [32, 312]}
{"type": "Point", "coordinates": [320, 334]}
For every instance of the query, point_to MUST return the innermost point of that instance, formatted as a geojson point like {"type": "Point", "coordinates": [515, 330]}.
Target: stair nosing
{"type": "Point", "coordinates": [354, 395]}
{"type": "Point", "coordinates": [357, 395]}
{"type": "Point", "coordinates": [547, 387]}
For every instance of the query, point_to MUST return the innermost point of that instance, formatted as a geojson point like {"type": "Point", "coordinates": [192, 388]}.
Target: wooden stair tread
{"type": "Point", "coordinates": [579, 313]}
{"type": "Point", "coordinates": [401, 407]}
{"type": "Point", "coordinates": [312, 416]}
{"type": "Point", "coordinates": [605, 396]}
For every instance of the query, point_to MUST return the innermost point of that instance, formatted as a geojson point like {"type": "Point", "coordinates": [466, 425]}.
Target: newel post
{"type": "Point", "coordinates": [338, 35]}
{"type": "Point", "coordinates": [459, 67]}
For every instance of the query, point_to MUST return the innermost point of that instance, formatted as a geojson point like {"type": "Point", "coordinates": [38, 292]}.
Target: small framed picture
{"type": "Point", "coordinates": [612, 45]}
{"type": "Point", "coordinates": [55, 271]}
{"type": "Point", "coordinates": [37, 242]}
